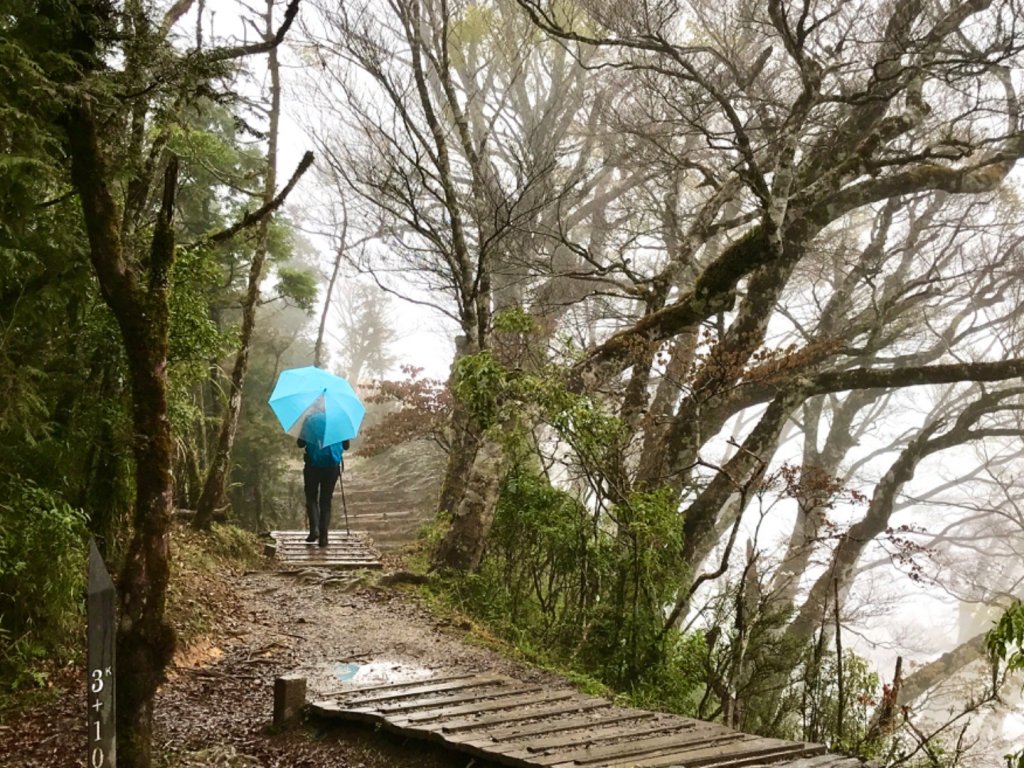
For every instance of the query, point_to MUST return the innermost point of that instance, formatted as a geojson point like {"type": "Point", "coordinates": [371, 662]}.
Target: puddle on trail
{"type": "Point", "coordinates": [337, 674]}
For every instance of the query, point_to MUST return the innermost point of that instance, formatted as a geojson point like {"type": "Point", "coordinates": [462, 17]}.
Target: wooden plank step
{"type": "Point", "coordinates": [530, 725]}
{"type": "Point", "coordinates": [324, 557]}
{"type": "Point", "coordinates": [603, 736]}
{"type": "Point", "coordinates": [572, 705]}
{"type": "Point", "coordinates": [330, 549]}
{"type": "Point", "coordinates": [440, 713]}
{"type": "Point", "coordinates": [286, 556]}
{"type": "Point", "coordinates": [826, 761]}
{"type": "Point", "coordinates": [298, 538]}
{"type": "Point", "coordinates": [364, 696]}
{"type": "Point", "coordinates": [337, 563]}
{"type": "Point", "coordinates": [351, 566]}
{"type": "Point", "coordinates": [641, 747]}
{"type": "Point", "coordinates": [302, 545]}
{"type": "Point", "coordinates": [361, 516]}
{"type": "Point", "coordinates": [395, 686]}
{"type": "Point", "coordinates": [490, 693]}
{"type": "Point", "coordinates": [553, 725]}
{"type": "Point", "coordinates": [329, 557]}
{"type": "Point", "coordinates": [317, 553]}
{"type": "Point", "coordinates": [331, 709]}
{"type": "Point", "coordinates": [741, 753]}
{"type": "Point", "coordinates": [349, 551]}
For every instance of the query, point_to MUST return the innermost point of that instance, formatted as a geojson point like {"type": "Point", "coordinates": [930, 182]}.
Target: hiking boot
{"type": "Point", "coordinates": [323, 541]}
{"type": "Point", "coordinates": [311, 539]}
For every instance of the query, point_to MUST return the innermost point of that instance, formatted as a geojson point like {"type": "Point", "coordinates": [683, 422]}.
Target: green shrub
{"type": "Point", "coordinates": [841, 722]}
{"type": "Point", "coordinates": [42, 579]}
{"type": "Point", "coordinates": [482, 385]}
{"type": "Point", "coordinates": [585, 591]}
{"type": "Point", "coordinates": [1005, 643]}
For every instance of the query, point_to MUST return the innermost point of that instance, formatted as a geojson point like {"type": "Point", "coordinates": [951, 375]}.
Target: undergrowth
{"type": "Point", "coordinates": [575, 597]}
{"type": "Point", "coordinates": [42, 588]}
{"type": "Point", "coordinates": [200, 593]}
{"type": "Point", "coordinates": [586, 596]}
{"type": "Point", "coordinates": [42, 583]}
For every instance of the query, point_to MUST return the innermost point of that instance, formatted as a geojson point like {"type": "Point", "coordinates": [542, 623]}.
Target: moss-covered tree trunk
{"type": "Point", "coordinates": [463, 546]}
{"type": "Point", "coordinates": [145, 642]}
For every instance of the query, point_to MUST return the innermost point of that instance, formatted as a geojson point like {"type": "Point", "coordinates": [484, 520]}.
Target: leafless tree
{"type": "Point", "coordinates": [474, 148]}
{"type": "Point", "coordinates": [761, 220]}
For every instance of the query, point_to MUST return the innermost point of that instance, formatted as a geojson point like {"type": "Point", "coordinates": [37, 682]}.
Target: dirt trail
{"type": "Point", "coordinates": [217, 705]}
{"type": "Point", "coordinates": [328, 628]}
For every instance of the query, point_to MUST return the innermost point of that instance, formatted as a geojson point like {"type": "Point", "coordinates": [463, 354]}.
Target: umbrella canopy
{"type": "Point", "coordinates": [302, 392]}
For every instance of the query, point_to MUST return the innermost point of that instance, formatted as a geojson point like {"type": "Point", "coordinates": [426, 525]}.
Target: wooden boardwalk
{"type": "Point", "coordinates": [520, 724]}
{"type": "Point", "coordinates": [344, 550]}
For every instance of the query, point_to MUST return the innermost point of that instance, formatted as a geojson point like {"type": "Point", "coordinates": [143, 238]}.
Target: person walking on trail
{"type": "Point", "coordinates": [320, 474]}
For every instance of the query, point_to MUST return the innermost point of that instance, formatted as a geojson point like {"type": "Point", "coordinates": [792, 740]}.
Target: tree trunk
{"type": "Point", "coordinates": [339, 254]}
{"type": "Point", "coordinates": [145, 642]}
{"type": "Point", "coordinates": [704, 410]}
{"type": "Point", "coordinates": [659, 415]}
{"type": "Point", "coordinates": [923, 679]}
{"type": "Point", "coordinates": [463, 547]}
{"type": "Point", "coordinates": [852, 543]}
{"type": "Point", "coordinates": [465, 442]}
{"type": "Point", "coordinates": [213, 494]}
{"type": "Point", "coordinates": [816, 488]}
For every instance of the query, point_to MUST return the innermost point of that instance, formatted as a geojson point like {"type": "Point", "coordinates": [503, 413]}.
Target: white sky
{"type": "Point", "coordinates": [424, 339]}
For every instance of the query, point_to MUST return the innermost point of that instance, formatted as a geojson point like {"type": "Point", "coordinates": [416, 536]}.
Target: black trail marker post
{"type": "Point", "coordinates": [100, 683]}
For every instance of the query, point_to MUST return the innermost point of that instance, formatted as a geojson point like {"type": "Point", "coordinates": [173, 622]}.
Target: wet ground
{"type": "Point", "coordinates": [216, 707]}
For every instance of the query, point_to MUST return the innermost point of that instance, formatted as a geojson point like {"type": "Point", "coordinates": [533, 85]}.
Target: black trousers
{"type": "Point", "coordinates": [319, 485]}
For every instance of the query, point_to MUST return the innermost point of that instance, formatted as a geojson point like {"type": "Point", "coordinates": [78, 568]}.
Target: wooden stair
{"type": "Point", "coordinates": [525, 725]}
{"type": "Point", "coordinates": [350, 551]}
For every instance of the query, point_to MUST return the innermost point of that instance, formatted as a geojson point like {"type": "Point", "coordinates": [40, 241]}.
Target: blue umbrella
{"type": "Point", "coordinates": [301, 392]}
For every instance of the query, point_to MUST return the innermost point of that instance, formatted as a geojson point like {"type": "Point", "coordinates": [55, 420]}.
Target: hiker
{"type": "Point", "coordinates": [320, 473]}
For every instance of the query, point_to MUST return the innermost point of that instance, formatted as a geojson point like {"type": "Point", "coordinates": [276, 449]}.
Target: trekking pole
{"type": "Point", "coordinates": [344, 506]}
